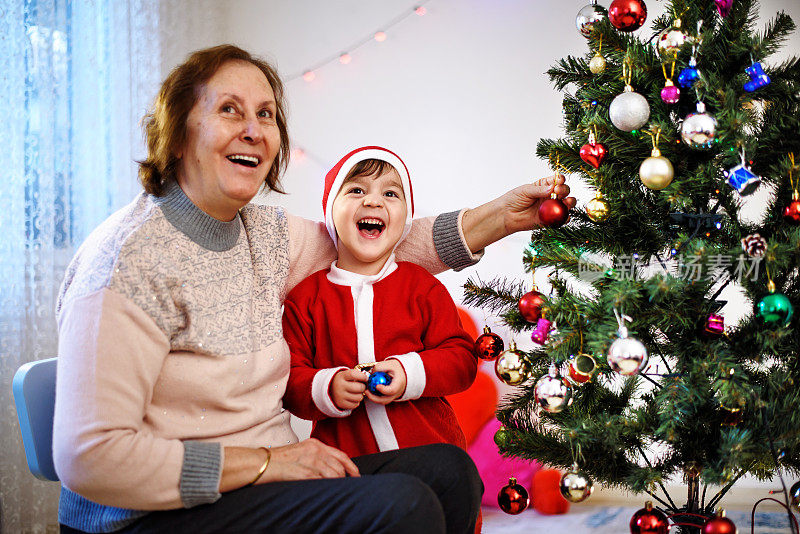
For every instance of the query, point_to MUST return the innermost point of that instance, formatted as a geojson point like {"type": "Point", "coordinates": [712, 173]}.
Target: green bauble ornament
{"type": "Point", "coordinates": [775, 309]}
{"type": "Point", "coordinates": [502, 437]}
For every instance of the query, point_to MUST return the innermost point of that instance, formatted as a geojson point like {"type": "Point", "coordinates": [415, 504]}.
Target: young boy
{"type": "Point", "coordinates": [369, 309]}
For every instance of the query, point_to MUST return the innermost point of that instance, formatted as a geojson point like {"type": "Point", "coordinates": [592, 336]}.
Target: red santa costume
{"type": "Point", "coordinates": [336, 319]}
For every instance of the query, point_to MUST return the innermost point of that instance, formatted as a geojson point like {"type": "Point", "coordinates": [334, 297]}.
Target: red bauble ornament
{"type": "Point", "coordinates": [530, 306]}
{"type": "Point", "coordinates": [489, 345]}
{"type": "Point", "coordinates": [627, 15]}
{"type": "Point", "coordinates": [648, 520]}
{"type": "Point", "coordinates": [553, 212]}
{"type": "Point", "coordinates": [792, 212]}
{"type": "Point", "coordinates": [719, 525]}
{"type": "Point", "coordinates": [593, 153]}
{"type": "Point", "coordinates": [513, 498]}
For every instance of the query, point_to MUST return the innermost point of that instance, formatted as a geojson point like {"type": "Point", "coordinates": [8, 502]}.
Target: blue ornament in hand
{"type": "Point", "coordinates": [758, 77]}
{"type": "Point", "coordinates": [378, 378]}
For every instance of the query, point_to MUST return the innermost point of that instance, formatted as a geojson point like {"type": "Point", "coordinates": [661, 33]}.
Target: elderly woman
{"type": "Point", "coordinates": [172, 363]}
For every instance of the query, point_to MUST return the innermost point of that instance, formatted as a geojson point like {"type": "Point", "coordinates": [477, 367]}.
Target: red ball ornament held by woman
{"type": "Point", "coordinates": [553, 212]}
{"type": "Point", "coordinates": [489, 345]}
{"type": "Point", "coordinates": [648, 520]}
{"type": "Point", "coordinates": [627, 15]}
{"type": "Point", "coordinates": [530, 306]}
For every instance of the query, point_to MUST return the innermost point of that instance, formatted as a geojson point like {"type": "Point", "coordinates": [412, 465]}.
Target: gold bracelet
{"type": "Point", "coordinates": [263, 466]}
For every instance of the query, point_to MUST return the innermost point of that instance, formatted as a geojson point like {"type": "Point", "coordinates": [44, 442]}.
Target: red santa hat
{"type": "Point", "coordinates": [336, 176]}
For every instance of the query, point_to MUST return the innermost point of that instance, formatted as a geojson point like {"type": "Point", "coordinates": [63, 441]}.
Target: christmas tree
{"type": "Point", "coordinates": [642, 380]}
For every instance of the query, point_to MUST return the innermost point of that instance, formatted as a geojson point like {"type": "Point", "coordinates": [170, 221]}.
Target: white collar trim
{"type": "Point", "coordinates": [341, 277]}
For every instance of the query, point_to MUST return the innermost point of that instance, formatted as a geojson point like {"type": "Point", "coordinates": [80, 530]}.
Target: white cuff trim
{"type": "Point", "coordinates": [415, 375]}
{"type": "Point", "coordinates": [320, 387]}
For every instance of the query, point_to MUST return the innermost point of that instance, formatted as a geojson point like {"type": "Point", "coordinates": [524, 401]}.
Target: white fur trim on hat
{"type": "Point", "coordinates": [357, 157]}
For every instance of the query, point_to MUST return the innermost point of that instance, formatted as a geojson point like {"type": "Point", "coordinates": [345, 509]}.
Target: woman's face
{"type": "Point", "coordinates": [232, 140]}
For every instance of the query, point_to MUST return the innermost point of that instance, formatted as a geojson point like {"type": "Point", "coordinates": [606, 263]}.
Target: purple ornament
{"type": "Point", "coordinates": [724, 6]}
{"type": "Point", "coordinates": [539, 334]}
{"type": "Point", "coordinates": [715, 324]}
{"type": "Point", "coordinates": [670, 94]}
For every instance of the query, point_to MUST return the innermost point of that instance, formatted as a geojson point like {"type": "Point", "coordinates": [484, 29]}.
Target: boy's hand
{"type": "Point", "coordinates": [347, 388]}
{"type": "Point", "coordinates": [394, 390]}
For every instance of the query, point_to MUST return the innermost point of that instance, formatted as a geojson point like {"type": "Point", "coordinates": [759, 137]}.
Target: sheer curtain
{"type": "Point", "coordinates": [75, 79]}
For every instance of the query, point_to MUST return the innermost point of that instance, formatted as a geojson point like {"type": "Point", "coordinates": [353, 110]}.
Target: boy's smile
{"type": "Point", "coordinates": [369, 214]}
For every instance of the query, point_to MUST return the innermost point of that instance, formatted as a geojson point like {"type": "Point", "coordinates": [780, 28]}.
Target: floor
{"type": "Point", "coordinates": [608, 520]}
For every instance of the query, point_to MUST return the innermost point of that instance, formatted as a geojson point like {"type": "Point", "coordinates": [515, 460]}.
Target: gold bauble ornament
{"type": "Point", "coordinates": [597, 64]}
{"type": "Point", "coordinates": [597, 209]}
{"type": "Point", "coordinates": [656, 172]}
{"type": "Point", "coordinates": [512, 366]}
{"type": "Point", "coordinates": [575, 485]}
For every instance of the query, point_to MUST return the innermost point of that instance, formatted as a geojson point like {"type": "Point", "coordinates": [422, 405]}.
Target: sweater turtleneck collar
{"type": "Point", "coordinates": [208, 232]}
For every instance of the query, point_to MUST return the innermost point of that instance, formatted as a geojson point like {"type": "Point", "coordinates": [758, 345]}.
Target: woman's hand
{"type": "Point", "coordinates": [308, 459]}
{"type": "Point", "coordinates": [299, 461]}
{"type": "Point", "coordinates": [394, 390]}
{"type": "Point", "coordinates": [512, 212]}
{"type": "Point", "coordinates": [347, 388]}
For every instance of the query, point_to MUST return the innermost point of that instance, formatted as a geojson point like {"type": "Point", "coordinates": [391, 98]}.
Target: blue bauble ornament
{"type": "Point", "coordinates": [378, 378]}
{"type": "Point", "coordinates": [689, 75]}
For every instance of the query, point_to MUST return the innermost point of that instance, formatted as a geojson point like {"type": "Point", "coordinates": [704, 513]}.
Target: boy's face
{"type": "Point", "coordinates": [369, 214]}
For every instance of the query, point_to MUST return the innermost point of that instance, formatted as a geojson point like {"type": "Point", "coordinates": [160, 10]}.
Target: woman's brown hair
{"type": "Point", "coordinates": [165, 125]}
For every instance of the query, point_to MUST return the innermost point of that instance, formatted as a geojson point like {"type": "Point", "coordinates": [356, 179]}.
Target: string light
{"type": "Point", "coordinates": [345, 57]}
{"type": "Point", "coordinates": [298, 154]}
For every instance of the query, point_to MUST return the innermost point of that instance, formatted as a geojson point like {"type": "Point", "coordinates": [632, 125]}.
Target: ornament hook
{"type": "Point", "coordinates": [621, 318]}
{"type": "Point", "coordinates": [627, 73]}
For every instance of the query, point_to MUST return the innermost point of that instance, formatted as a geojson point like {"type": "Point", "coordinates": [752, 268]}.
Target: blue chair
{"type": "Point", "coordinates": [34, 389]}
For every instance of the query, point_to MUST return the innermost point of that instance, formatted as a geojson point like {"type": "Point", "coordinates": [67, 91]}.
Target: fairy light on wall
{"type": "Point", "coordinates": [345, 57]}
{"type": "Point", "coordinates": [300, 154]}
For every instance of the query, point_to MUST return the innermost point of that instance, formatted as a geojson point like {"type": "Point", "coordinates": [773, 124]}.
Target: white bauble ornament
{"type": "Point", "coordinates": [629, 111]}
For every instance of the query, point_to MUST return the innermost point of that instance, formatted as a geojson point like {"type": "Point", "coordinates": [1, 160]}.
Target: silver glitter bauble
{"type": "Point", "coordinates": [586, 18]}
{"type": "Point", "coordinates": [597, 64]}
{"type": "Point", "coordinates": [627, 356]}
{"type": "Point", "coordinates": [794, 496]}
{"type": "Point", "coordinates": [629, 111]}
{"type": "Point", "coordinates": [575, 485]}
{"type": "Point", "coordinates": [699, 129]}
{"type": "Point", "coordinates": [670, 41]}
{"type": "Point", "coordinates": [552, 392]}
{"type": "Point", "coordinates": [656, 172]}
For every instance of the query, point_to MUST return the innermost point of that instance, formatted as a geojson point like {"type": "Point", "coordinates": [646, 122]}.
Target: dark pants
{"type": "Point", "coordinates": [434, 488]}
